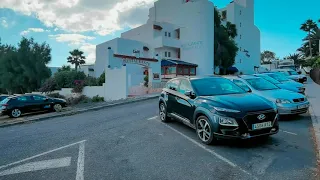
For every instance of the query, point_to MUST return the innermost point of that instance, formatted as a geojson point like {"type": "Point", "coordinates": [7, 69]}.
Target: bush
{"type": "Point", "coordinates": [97, 98]}
{"type": "Point", "coordinates": [91, 81]}
{"type": "Point", "coordinates": [77, 100]}
{"type": "Point", "coordinates": [48, 86]}
{"type": "Point", "coordinates": [56, 95]}
{"type": "Point", "coordinates": [78, 87]}
{"type": "Point", "coordinates": [102, 79]}
{"type": "Point", "coordinates": [65, 79]}
{"type": "Point", "coordinates": [146, 80]}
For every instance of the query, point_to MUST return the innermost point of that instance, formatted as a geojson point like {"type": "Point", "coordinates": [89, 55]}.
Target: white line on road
{"type": "Point", "coordinates": [289, 132]}
{"type": "Point", "coordinates": [41, 154]}
{"type": "Point", "coordinates": [80, 164]}
{"type": "Point", "coordinates": [211, 151]}
{"type": "Point", "coordinates": [39, 165]}
{"type": "Point", "coordinates": [152, 118]}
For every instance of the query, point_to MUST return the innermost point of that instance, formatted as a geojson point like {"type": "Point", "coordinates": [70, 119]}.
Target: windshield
{"type": "Point", "coordinates": [270, 79]}
{"type": "Point", "coordinates": [279, 77]}
{"type": "Point", "coordinates": [293, 73]}
{"type": "Point", "coordinates": [215, 86]}
{"type": "Point", "coordinates": [261, 84]}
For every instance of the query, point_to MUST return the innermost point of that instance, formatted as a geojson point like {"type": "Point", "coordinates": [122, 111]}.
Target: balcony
{"type": "Point", "coordinates": [162, 41]}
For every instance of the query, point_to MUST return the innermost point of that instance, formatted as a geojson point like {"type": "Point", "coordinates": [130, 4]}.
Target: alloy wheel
{"type": "Point", "coordinates": [203, 130]}
{"type": "Point", "coordinates": [162, 112]}
{"type": "Point", "coordinates": [57, 107]}
{"type": "Point", "coordinates": [16, 113]}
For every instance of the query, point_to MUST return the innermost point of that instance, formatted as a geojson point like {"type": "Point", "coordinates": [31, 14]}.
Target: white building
{"type": "Point", "coordinates": [181, 32]}
{"type": "Point", "coordinates": [88, 69]}
{"type": "Point", "coordinates": [241, 13]}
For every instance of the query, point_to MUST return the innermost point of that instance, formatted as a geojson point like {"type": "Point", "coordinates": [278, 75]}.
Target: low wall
{"type": "Point", "coordinates": [315, 75]}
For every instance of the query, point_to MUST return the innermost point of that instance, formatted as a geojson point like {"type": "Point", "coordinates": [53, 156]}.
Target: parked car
{"type": "Point", "coordinates": [217, 108]}
{"type": "Point", "coordinates": [283, 78]}
{"type": "Point", "coordinates": [293, 75]}
{"type": "Point", "coordinates": [15, 106]}
{"type": "Point", "coordinates": [287, 102]}
{"type": "Point", "coordinates": [2, 97]}
{"type": "Point", "coordinates": [284, 85]}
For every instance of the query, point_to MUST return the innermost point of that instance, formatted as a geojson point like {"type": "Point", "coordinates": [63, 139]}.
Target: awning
{"type": "Point", "coordinates": [169, 62]}
{"type": "Point", "coordinates": [232, 69]}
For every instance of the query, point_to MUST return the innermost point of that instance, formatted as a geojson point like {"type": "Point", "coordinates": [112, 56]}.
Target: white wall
{"type": "Point", "coordinates": [196, 20]}
{"type": "Point", "coordinates": [116, 86]}
{"type": "Point", "coordinates": [173, 52]}
{"type": "Point", "coordinates": [91, 91]}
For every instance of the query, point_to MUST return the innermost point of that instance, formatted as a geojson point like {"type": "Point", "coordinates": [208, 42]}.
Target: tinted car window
{"type": "Point", "coordinates": [22, 98]}
{"type": "Point", "coordinates": [38, 98]}
{"type": "Point", "coordinates": [261, 84]}
{"type": "Point", "coordinates": [5, 101]}
{"type": "Point", "coordinates": [270, 79]}
{"type": "Point", "coordinates": [215, 86]}
{"type": "Point", "coordinates": [173, 84]}
{"type": "Point", "coordinates": [241, 84]}
{"type": "Point", "coordinates": [279, 77]}
{"type": "Point", "coordinates": [184, 86]}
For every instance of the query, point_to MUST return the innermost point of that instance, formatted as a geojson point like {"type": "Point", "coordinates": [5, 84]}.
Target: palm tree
{"type": "Point", "coordinates": [308, 26]}
{"type": "Point", "coordinates": [77, 58]}
{"type": "Point", "coordinates": [295, 57]}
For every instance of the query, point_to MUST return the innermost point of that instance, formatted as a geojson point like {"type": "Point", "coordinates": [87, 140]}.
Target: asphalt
{"type": "Point", "coordinates": [130, 142]}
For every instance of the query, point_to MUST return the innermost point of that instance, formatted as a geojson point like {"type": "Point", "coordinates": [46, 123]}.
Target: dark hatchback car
{"type": "Point", "coordinates": [217, 109]}
{"type": "Point", "coordinates": [15, 106]}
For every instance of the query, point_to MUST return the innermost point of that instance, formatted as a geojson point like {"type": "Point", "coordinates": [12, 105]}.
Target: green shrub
{"type": "Point", "coordinates": [91, 81]}
{"type": "Point", "coordinates": [66, 79]}
{"type": "Point", "coordinates": [78, 87]}
{"type": "Point", "coordinates": [56, 95]}
{"type": "Point", "coordinates": [97, 98]}
{"type": "Point", "coordinates": [48, 86]}
{"type": "Point", "coordinates": [102, 79]}
{"type": "Point", "coordinates": [77, 100]}
{"type": "Point", "coordinates": [146, 80]}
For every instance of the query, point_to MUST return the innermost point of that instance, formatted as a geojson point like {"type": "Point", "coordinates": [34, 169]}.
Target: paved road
{"type": "Point", "coordinates": [130, 142]}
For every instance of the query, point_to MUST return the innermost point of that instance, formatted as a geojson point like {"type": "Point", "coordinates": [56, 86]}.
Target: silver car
{"type": "Point", "coordinates": [293, 75]}
{"type": "Point", "coordinates": [295, 87]}
{"type": "Point", "coordinates": [287, 102]}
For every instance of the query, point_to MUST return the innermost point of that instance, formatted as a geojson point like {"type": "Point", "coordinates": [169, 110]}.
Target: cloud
{"type": "Point", "coordinates": [100, 16]}
{"type": "Point", "coordinates": [71, 39]}
{"type": "Point", "coordinates": [90, 50]}
{"type": "Point", "coordinates": [23, 33]}
{"type": "Point", "coordinates": [4, 23]}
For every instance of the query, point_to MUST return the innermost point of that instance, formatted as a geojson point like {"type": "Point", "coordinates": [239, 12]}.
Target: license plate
{"type": "Point", "coordinates": [262, 125]}
{"type": "Point", "coordinates": [302, 106]}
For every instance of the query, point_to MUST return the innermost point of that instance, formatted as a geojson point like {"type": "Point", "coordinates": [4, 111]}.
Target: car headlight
{"type": "Point", "coordinates": [225, 110]}
{"type": "Point", "coordinates": [283, 101]}
{"type": "Point", "coordinates": [225, 121]}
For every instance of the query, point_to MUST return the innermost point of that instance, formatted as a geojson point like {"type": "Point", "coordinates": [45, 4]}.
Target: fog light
{"type": "Point", "coordinates": [273, 129]}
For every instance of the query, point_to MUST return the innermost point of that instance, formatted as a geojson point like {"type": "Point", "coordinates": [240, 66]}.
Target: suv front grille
{"type": "Point", "coordinates": [252, 117]}
{"type": "Point", "coordinates": [298, 100]}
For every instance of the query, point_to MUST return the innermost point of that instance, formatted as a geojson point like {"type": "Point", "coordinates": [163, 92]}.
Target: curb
{"type": "Point", "coordinates": [78, 111]}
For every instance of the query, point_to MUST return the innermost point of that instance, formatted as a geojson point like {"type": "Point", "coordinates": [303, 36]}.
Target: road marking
{"type": "Point", "coordinates": [289, 132]}
{"type": "Point", "coordinates": [40, 165]}
{"type": "Point", "coordinates": [80, 164]}
{"type": "Point", "coordinates": [41, 154]}
{"type": "Point", "coordinates": [211, 151]}
{"type": "Point", "coordinates": [152, 118]}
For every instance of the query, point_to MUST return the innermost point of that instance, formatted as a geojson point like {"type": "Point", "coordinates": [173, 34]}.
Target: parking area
{"type": "Point", "coordinates": [130, 142]}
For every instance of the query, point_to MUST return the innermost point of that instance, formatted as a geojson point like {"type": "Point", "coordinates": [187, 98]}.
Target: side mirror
{"type": "Point", "coordinates": [190, 94]}
{"type": "Point", "coordinates": [46, 99]}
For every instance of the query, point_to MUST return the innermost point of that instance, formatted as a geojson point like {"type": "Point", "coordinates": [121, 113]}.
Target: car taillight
{"type": "Point", "coordinates": [4, 106]}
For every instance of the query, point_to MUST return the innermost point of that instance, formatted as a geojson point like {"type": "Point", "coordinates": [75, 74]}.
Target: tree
{"type": "Point", "coordinates": [77, 58]}
{"type": "Point", "coordinates": [24, 68]}
{"type": "Point", "coordinates": [102, 79]}
{"type": "Point", "coordinates": [64, 68]}
{"type": "Point", "coordinates": [308, 27]}
{"type": "Point", "coordinates": [267, 57]}
{"type": "Point", "coordinates": [295, 57]}
{"type": "Point", "coordinates": [225, 48]}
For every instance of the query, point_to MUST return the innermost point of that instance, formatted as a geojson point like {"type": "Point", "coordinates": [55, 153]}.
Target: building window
{"type": "Point", "coordinates": [240, 36]}
{"type": "Point", "coordinates": [169, 34]}
{"type": "Point", "coordinates": [193, 71]}
{"type": "Point", "coordinates": [166, 34]}
{"type": "Point", "coordinates": [240, 12]}
{"type": "Point", "coordinates": [169, 54]}
{"type": "Point", "coordinates": [240, 24]}
{"type": "Point", "coordinates": [165, 54]}
{"type": "Point", "coordinates": [224, 15]}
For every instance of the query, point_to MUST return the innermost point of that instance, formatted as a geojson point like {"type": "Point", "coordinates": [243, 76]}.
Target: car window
{"type": "Point", "coordinates": [241, 84]}
{"type": "Point", "coordinates": [215, 86]}
{"type": "Point", "coordinates": [279, 77]}
{"type": "Point", "coordinates": [270, 79]}
{"type": "Point", "coordinates": [22, 98]}
{"type": "Point", "coordinates": [38, 98]}
{"type": "Point", "coordinates": [185, 86]}
{"type": "Point", "coordinates": [293, 73]}
{"type": "Point", "coordinates": [173, 84]}
{"type": "Point", "coordinates": [261, 84]}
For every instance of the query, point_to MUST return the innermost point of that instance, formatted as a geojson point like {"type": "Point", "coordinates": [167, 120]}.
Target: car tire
{"type": "Point", "coordinates": [15, 113]}
{"type": "Point", "coordinates": [204, 130]}
{"type": "Point", "coordinates": [163, 113]}
{"type": "Point", "coordinates": [57, 107]}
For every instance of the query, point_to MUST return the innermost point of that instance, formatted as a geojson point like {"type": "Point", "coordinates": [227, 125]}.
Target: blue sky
{"type": "Point", "coordinates": [278, 21]}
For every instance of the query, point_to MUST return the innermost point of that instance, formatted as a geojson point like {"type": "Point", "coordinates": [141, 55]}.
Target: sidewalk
{"type": "Point", "coordinates": [80, 108]}
{"type": "Point", "coordinates": [313, 95]}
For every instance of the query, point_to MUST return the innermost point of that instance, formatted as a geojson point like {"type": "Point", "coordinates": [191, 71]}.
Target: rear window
{"type": "Point", "coordinates": [5, 101]}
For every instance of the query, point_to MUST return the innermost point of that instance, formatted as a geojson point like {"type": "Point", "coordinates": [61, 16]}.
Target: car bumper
{"type": "Point", "coordinates": [293, 108]}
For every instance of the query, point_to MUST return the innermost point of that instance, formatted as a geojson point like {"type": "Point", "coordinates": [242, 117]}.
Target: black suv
{"type": "Point", "coordinates": [217, 108]}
